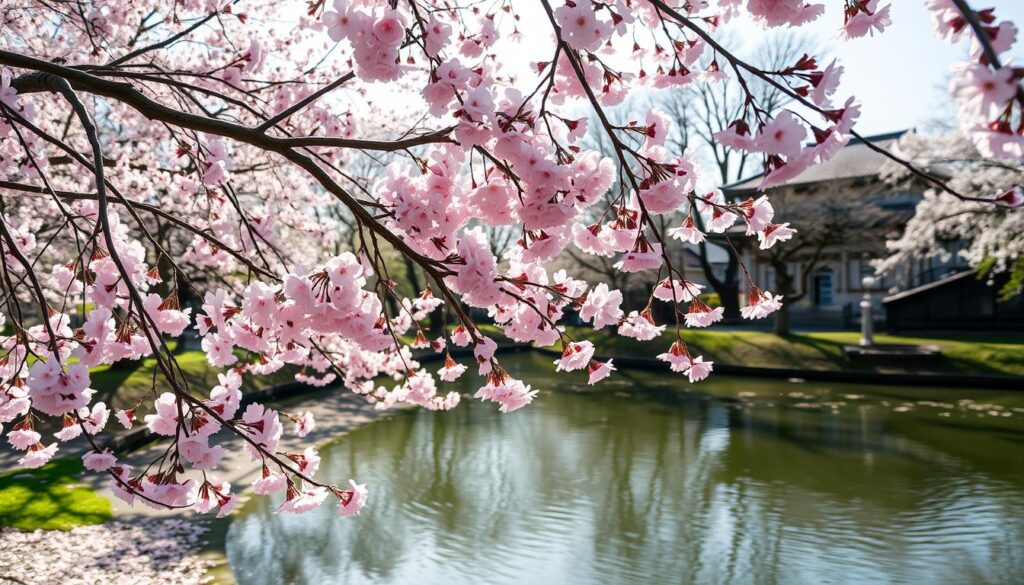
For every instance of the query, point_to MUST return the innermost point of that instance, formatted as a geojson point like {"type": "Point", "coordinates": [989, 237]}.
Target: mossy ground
{"type": "Point", "coordinates": [50, 498]}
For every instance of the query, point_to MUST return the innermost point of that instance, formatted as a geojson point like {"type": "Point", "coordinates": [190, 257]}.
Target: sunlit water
{"type": "Point", "coordinates": [649, 480]}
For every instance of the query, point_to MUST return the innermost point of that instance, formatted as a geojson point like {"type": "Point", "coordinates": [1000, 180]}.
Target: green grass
{"type": "Point", "coordinates": [50, 498]}
{"type": "Point", "coordinates": [992, 353]}
{"type": "Point", "coordinates": [123, 384]}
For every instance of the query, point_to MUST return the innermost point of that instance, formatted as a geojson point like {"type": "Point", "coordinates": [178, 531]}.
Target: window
{"type": "Point", "coordinates": [824, 286]}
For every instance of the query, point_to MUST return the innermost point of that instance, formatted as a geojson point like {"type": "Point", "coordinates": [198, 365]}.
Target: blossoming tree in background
{"type": "Point", "coordinates": [990, 238]}
{"type": "Point", "coordinates": [152, 151]}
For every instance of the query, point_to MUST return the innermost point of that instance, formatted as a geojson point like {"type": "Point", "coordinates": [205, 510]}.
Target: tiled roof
{"type": "Point", "coordinates": [854, 160]}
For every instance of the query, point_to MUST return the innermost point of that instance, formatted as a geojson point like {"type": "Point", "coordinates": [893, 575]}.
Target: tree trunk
{"type": "Point", "coordinates": [784, 282]}
{"type": "Point", "coordinates": [782, 321]}
{"type": "Point", "coordinates": [728, 288]}
{"type": "Point", "coordinates": [729, 296]}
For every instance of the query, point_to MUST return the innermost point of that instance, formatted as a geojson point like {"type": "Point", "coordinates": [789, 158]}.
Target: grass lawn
{"type": "Point", "coordinates": [50, 498]}
{"type": "Point", "coordinates": [991, 353]}
{"type": "Point", "coordinates": [122, 385]}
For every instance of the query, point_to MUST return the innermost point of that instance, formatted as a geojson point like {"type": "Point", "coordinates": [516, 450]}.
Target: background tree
{"type": "Point", "coordinates": [988, 238]}
{"type": "Point", "coordinates": [822, 220]}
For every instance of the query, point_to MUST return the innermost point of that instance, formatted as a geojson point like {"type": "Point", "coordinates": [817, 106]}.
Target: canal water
{"type": "Point", "coordinates": [648, 479]}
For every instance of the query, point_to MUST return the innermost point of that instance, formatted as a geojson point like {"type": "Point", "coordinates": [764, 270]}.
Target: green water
{"type": "Point", "coordinates": [650, 480]}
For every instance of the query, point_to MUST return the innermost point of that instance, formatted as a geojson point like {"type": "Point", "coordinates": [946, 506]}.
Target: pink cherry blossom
{"type": "Point", "coordinates": [699, 369]}
{"type": "Point", "coordinates": [165, 420]}
{"type": "Point", "coordinates": [867, 18]}
{"type": "Point", "coordinates": [263, 426]}
{"type": "Point", "coordinates": [678, 357]}
{"type": "Point", "coordinates": [757, 214]}
{"type": "Point", "coordinates": [599, 371]}
{"type": "Point", "coordinates": [38, 455]}
{"type": "Point", "coordinates": [269, 483]}
{"type": "Point", "coordinates": [305, 424]}
{"type": "Point", "coordinates": [699, 314]}
{"type": "Point", "coordinates": [774, 233]}
{"type": "Point", "coordinates": [99, 460]}
{"type": "Point", "coordinates": [389, 29]}
{"type": "Point", "coordinates": [215, 495]}
{"type": "Point", "coordinates": [302, 501]}
{"type": "Point", "coordinates": [761, 304]}
{"type": "Point", "coordinates": [640, 326]}
{"type": "Point", "coordinates": [125, 417]}
{"type": "Point", "coordinates": [646, 256]}
{"type": "Point", "coordinates": [575, 356]}
{"type": "Point", "coordinates": [783, 135]}
{"type": "Point", "coordinates": [784, 12]}
{"type": "Point", "coordinates": [736, 135]}
{"type": "Point", "coordinates": [580, 25]}
{"type": "Point", "coordinates": [825, 83]}
{"type": "Point", "coordinates": [71, 429]}
{"type": "Point", "coordinates": [56, 390]}
{"type": "Point", "coordinates": [452, 370]}
{"type": "Point", "coordinates": [602, 306]}
{"type": "Point", "coordinates": [352, 501]}
{"type": "Point", "coordinates": [980, 88]}
{"type": "Point", "coordinates": [656, 129]}
{"type": "Point", "coordinates": [22, 439]}
{"type": "Point", "coordinates": [687, 232]}
{"type": "Point", "coordinates": [676, 291]}
{"type": "Point", "coordinates": [509, 393]}
{"type": "Point", "coordinates": [93, 420]}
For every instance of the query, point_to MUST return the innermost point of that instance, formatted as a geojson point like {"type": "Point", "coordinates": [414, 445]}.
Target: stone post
{"type": "Point", "coordinates": [867, 322]}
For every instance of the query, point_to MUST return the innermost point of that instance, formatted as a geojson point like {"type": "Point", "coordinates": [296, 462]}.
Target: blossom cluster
{"type": "Point", "coordinates": [988, 94]}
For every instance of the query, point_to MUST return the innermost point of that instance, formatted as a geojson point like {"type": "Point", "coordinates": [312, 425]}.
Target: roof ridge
{"type": "Point", "coordinates": [744, 184]}
{"type": "Point", "coordinates": [879, 137]}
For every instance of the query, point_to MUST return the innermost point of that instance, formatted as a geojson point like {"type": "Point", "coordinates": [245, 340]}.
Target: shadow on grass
{"type": "Point", "coordinates": [50, 498]}
{"type": "Point", "coordinates": [831, 351]}
{"type": "Point", "coordinates": [106, 382]}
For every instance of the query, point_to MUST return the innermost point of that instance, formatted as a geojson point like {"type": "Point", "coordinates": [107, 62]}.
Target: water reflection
{"type": "Point", "coordinates": [641, 482]}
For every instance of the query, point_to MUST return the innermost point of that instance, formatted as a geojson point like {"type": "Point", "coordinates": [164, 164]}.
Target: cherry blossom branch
{"type": "Point", "coordinates": [128, 95]}
{"type": "Point", "coordinates": [984, 40]}
{"type": "Point", "coordinates": [739, 63]}
{"type": "Point", "coordinates": [61, 86]}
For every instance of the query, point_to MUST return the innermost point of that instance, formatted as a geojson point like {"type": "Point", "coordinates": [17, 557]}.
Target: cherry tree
{"type": "Point", "coordinates": [153, 148]}
{"type": "Point", "coordinates": [989, 238]}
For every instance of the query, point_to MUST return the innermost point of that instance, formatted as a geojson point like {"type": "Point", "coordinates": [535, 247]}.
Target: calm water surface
{"type": "Point", "coordinates": [650, 480]}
